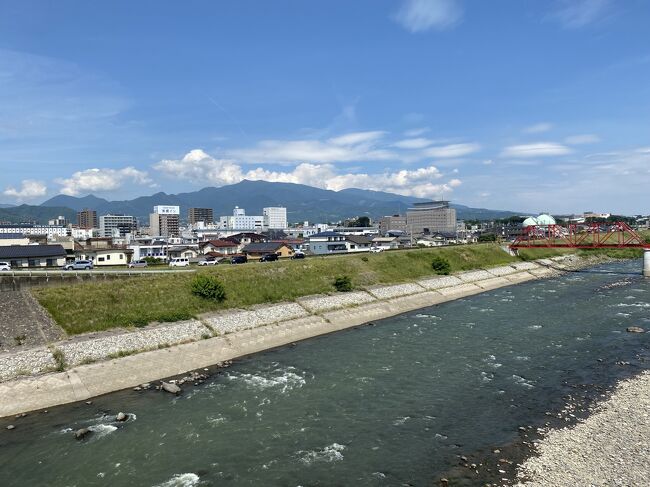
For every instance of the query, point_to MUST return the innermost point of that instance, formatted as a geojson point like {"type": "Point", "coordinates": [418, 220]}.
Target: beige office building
{"type": "Point", "coordinates": [431, 217]}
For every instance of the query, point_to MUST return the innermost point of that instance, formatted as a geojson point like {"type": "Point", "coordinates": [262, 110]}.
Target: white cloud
{"type": "Point", "coordinates": [200, 167]}
{"type": "Point", "coordinates": [355, 146]}
{"type": "Point", "coordinates": [101, 180]}
{"type": "Point", "coordinates": [574, 14]}
{"type": "Point", "coordinates": [540, 149]}
{"type": "Point", "coordinates": [582, 139]}
{"type": "Point", "coordinates": [538, 128]}
{"type": "Point", "coordinates": [452, 150]}
{"type": "Point", "coordinates": [418, 143]}
{"type": "Point", "coordinates": [416, 132]}
{"type": "Point", "coordinates": [355, 138]}
{"type": "Point", "coordinates": [29, 189]}
{"type": "Point", "coordinates": [488, 162]}
{"type": "Point", "coordinates": [422, 15]}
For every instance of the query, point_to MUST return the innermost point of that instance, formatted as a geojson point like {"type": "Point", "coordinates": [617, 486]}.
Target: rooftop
{"type": "Point", "coordinates": [31, 251]}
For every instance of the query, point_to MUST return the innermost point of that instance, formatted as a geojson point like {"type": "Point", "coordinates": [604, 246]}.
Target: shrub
{"type": "Point", "coordinates": [153, 261]}
{"type": "Point", "coordinates": [440, 265]}
{"type": "Point", "coordinates": [364, 258]}
{"type": "Point", "coordinates": [343, 284]}
{"type": "Point", "coordinates": [208, 287]}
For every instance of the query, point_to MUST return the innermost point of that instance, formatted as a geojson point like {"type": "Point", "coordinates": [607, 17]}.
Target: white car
{"type": "Point", "coordinates": [376, 250]}
{"type": "Point", "coordinates": [4, 266]}
{"type": "Point", "coordinates": [179, 262]}
{"type": "Point", "coordinates": [208, 262]}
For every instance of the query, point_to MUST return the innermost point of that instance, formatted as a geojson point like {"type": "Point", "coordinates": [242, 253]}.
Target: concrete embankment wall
{"type": "Point", "coordinates": [166, 350]}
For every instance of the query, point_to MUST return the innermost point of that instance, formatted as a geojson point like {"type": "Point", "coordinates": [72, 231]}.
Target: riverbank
{"type": "Point", "coordinates": [128, 359]}
{"type": "Point", "coordinates": [609, 447]}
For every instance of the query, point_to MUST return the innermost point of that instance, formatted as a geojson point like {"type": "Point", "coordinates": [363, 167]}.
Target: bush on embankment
{"type": "Point", "coordinates": [134, 301]}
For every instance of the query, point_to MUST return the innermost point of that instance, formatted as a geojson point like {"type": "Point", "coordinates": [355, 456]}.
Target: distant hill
{"type": "Point", "coordinates": [302, 202]}
{"type": "Point", "coordinates": [38, 214]}
{"type": "Point", "coordinates": [6, 206]}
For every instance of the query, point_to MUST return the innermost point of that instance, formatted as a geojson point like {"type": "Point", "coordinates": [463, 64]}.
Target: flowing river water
{"type": "Point", "coordinates": [392, 404]}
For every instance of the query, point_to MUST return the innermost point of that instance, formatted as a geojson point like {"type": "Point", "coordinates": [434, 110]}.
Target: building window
{"type": "Point", "coordinates": [100, 259]}
{"type": "Point", "coordinates": [108, 257]}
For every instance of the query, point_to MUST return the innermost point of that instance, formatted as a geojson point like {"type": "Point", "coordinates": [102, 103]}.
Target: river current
{"type": "Point", "coordinates": [392, 404]}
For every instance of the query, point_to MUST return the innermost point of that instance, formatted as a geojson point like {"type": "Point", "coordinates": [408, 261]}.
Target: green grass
{"type": "Point", "coordinates": [135, 301]}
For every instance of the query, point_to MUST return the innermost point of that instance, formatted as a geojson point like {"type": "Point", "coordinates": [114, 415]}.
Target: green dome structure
{"type": "Point", "coordinates": [541, 220]}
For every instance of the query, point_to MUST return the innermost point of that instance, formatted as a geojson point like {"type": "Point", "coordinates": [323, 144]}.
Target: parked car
{"type": "Point", "coordinates": [4, 266]}
{"type": "Point", "coordinates": [208, 262]}
{"type": "Point", "coordinates": [179, 262]}
{"type": "Point", "coordinates": [239, 259]}
{"type": "Point", "coordinates": [298, 255]}
{"type": "Point", "coordinates": [376, 250]}
{"type": "Point", "coordinates": [79, 265]}
{"type": "Point", "coordinates": [138, 263]}
{"type": "Point", "coordinates": [269, 258]}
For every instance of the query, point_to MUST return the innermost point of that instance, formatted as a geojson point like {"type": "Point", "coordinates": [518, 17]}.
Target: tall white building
{"type": "Point", "coordinates": [241, 221]}
{"type": "Point", "coordinates": [275, 218]}
{"type": "Point", "coordinates": [116, 225]}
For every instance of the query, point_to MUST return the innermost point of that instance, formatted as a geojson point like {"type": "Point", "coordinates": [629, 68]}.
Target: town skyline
{"type": "Point", "coordinates": [419, 98]}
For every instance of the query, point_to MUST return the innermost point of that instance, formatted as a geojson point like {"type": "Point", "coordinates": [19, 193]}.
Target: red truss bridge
{"type": "Point", "coordinates": [580, 236]}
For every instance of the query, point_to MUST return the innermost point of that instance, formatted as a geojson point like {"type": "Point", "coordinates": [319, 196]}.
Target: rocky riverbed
{"type": "Point", "coordinates": [610, 447]}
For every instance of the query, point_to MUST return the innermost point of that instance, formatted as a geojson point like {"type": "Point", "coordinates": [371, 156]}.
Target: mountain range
{"type": "Point", "coordinates": [303, 203]}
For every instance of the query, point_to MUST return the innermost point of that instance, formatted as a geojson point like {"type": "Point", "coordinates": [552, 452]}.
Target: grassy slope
{"type": "Point", "coordinates": [92, 306]}
{"type": "Point", "coordinates": [101, 305]}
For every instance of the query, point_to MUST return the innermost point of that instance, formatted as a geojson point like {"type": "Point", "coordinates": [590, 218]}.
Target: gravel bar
{"type": "Point", "coordinates": [317, 304]}
{"type": "Point", "coordinates": [610, 447]}
{"type": "Point", "coordinates": [525, 266]}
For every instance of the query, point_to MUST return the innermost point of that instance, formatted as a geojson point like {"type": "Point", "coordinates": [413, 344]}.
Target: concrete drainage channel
{"type": "Point", "coordinates": [92, 365]}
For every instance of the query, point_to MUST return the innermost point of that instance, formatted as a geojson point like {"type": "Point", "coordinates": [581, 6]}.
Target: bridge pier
{"type": "Point", "coordinates": [646, 262]}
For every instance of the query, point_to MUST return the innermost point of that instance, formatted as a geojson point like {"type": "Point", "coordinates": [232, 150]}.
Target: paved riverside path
{"type": "Point", "coordinates": [24, 323]}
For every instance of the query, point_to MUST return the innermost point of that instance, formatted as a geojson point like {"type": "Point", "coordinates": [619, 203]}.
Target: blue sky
{"type": "Point", "coordinates": [533, 106]}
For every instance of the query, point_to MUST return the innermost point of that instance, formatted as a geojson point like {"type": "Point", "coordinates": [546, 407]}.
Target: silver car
{"type": "Point", "coordinates": [79, 265]}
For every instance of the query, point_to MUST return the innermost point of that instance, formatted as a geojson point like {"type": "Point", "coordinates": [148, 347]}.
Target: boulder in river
{"type": "Point", "coordinates": [635, 329]}
{"type": "Point", "coordinates": [81, 433]}
{"type": "Point", "coordinates": [171, 388]}
{"type": "Point", "coordinates": [121, 416]}
{"type": "Point", "coordinates": [11, 427]}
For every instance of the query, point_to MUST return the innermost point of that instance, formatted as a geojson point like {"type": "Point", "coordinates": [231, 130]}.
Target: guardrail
{"type": "Point", "coordinates": [18, 279]}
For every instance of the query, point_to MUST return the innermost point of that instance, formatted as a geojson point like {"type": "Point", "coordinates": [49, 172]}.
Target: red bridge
{"type": "Point", "coordinates": [580, 236]}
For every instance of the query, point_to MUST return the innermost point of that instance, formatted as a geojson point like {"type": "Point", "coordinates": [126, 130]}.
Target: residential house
{"type": "Point", "coordinates": [256, 250]}
{"type": "Point", "coordinates": [358, 243]}
{"type": "Point", "coordinates": [103, 255]}
{"type": "Point", "coordinates": [337, 243]}
{"type": "Point", "coordinates": [21, 256]}
{"type": "Point", "coordinates": [182, 252]}
{"type": "Point", "coordinates": [222, 247]}
{"type": "Point", "coordinates": [386, 243]}
{"type": "Point", "coordinates": [437, 239]}
{"type": "Point", "coordinates": [245, 238]}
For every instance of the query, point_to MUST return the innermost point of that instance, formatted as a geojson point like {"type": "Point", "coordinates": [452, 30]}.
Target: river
{"type": "Point", "coordinates": [392, 404]}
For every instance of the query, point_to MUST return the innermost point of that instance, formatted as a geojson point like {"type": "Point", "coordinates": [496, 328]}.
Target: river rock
{"type": "Point", "coordinates": [11, 427]}
{"type": "Point", "coordinates": [80, 434]}
{"type": "Point", "coordinates": [171, 388]}
{"type": "Point", "coordinates": [121, 416]}
{"type": "Point", "coordinates": [635, 329]}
